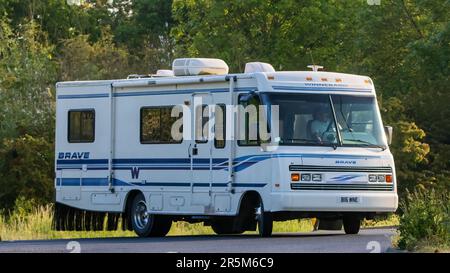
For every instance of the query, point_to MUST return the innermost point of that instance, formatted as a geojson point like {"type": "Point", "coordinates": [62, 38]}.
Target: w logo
{"type": "Point", "coordinates": [134, 172]}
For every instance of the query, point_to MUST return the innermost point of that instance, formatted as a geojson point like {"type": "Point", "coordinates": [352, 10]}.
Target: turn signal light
{"type": "Point", "coordinates": [295, 176]}
{"type": "Point", "coordinates": [389, 178]}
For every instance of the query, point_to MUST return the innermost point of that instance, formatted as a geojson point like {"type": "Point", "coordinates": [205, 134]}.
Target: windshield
{"type": "Point", "coordinates": [308, 119]}
{"type": "Point", "coordinates": [358, 120]}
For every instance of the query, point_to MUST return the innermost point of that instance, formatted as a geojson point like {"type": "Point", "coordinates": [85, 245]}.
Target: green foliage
{"type": "Point", "coordinates": [26, 170]}
{"type": "Point", "coordinates": [426, 217]}
{"type": "Point", "coordinates": [82, 60]}
{"type": "Point", "coordinates": [27, 76]}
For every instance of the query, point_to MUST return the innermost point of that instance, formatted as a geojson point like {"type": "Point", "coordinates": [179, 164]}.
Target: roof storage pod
{"type": "Point", "coordinates": [199, 66]}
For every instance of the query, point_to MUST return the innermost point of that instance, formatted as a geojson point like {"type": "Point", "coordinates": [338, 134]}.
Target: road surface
{"type": "Point", "coordinates": [368, 240]}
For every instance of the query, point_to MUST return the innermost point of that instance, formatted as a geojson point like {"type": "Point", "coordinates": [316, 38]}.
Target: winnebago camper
{"type": "Point", "coordinates": [185, 145]}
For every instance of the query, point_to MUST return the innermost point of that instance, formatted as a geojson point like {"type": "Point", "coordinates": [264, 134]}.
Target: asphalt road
{"type": "Point", "coordinates": [368, 240]}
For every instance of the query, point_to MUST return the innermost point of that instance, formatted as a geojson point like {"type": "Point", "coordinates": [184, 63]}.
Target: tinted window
{"type": "Point", "coordinates": [156, 125]}
{"type": "Point", "coordinates": [220, 125]}
{"type": "Point", "coordinates": [81, 126]}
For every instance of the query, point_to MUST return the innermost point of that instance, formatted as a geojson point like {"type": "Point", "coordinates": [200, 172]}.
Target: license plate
{"type": "Point", "coordinates": [349, 199]}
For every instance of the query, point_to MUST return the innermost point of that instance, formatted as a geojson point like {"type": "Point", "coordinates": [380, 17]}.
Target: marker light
{"type": "Point", "coordinates": [295, 176]}
{"type": "Point", "coordinates": [309, 78]}
{"type": "Point", "coordinates": [389, 178]}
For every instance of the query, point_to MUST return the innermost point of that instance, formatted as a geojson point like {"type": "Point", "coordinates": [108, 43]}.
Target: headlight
{"type": "Point", "coordinates": [306, 177]}
{"type": "Point", "coordinates": [372, 178]}
{"type": "Point", "coordinates": [316, 177]}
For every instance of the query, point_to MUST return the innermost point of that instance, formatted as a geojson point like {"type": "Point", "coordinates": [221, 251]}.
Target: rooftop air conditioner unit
{"type": "Point", "coordinates": [258, 67]}
{"type": "Point", "coordinates": [199, 66]}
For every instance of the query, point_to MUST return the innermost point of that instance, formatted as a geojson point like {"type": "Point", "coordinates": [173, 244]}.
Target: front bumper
{"type": "Point", "coordinates": [308, 201]}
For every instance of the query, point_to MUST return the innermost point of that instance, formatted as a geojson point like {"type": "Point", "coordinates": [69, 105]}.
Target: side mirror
{"type": "Point", "coordinates": [388, 132]}
{"type": "Point", "coordinates": [246, 97]}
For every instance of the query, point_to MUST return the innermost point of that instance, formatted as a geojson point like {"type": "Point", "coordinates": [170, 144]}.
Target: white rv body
{"type": "Point", "coordinates": [100, 175]}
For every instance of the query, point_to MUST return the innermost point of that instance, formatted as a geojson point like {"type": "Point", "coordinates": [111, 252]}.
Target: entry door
{"type": "Point", "coordinates": [200, 149]}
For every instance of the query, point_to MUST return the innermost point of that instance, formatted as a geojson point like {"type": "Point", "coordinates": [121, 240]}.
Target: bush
{"type": "Point", "coordinates": [26, 170]}
{"type": "Point", "coordinates": [425, 219]}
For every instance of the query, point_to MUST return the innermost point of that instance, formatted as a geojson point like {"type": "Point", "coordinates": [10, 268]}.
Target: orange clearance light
{"type": "Point", "coordinates": [295, 176]}
{"type": "Point", "coordinates": [324, 79]}
{"type": "Point", "coordinates": [388, 178]}
{"type": "Point", "coordinates": [309, 78]}
{"type": "Point", "coordinates": [338, 80]}
{"type": "Point", "coordinates": [270, 77]}
{"type": "Point", "coordinates": [367, 81]}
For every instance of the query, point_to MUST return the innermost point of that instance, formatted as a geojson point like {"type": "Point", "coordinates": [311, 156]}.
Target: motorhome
{"type": "Point", "coordinates": [181, 145]}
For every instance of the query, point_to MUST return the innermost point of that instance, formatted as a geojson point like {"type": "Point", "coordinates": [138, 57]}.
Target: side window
{"type": "Point", "coordinates": [220, 126]}
{"type": "Point", "coordinates": [201, 120]}
{"type": "Point", "coordinates": [81, 126]}
{"type": "Point", "coordinates": [156, 125]}
{"type": "Point", "coordinates": [249, 130]}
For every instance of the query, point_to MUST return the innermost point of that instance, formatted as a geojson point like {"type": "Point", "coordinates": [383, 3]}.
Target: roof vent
{"type": "Point", "coordinates": [199, 66]}
{"type": "Point", "coordinates": [258, 67]}
{"type": "Point", "coordinates": [164, 73]}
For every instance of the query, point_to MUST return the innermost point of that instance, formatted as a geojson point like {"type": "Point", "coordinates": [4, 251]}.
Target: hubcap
{"type": "Point", "coordinates": [258, 213]}
{"type": "Point", "coordinates": [141, 216]}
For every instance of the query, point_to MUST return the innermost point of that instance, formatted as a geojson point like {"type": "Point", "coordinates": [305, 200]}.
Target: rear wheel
{"type": "Point", "coordinates": [264, 220]}
{"type": "Point", "coordinates": [146, 224]}
{"type": "Point", "coordinates": [352, 224]}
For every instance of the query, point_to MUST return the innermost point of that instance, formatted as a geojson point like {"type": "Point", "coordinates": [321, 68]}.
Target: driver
{"type": "Point", "coordinates": [320, 123]}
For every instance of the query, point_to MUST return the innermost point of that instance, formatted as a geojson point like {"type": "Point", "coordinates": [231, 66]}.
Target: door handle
{"type": "Point", "coordinates": [195, 150]}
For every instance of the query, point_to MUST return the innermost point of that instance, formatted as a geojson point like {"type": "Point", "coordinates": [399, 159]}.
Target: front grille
{"type": "Point", "coordinates": [311, 168]}
{"type": "Point", "coordinates": [337, 187]}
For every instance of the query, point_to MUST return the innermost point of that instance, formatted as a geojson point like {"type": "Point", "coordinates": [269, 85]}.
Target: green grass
{"type": "Point", "coordinates": [35, 223]}
{"type": "Point", "coordinates": [389, 221]}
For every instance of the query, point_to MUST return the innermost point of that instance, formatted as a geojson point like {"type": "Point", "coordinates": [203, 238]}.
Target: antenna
{"type": "Point", "coordinates": [310, 54]}
{"type": "Point", "coordinates": [314, 67]}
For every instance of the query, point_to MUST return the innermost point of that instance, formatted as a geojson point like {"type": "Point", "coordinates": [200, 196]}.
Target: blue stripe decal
{"type": "Point", "coordinates": [239, 163]}
{"type": "Point", "coordinates": [84, 96]}
{"type": "Point", "coordinates": [298, 88]}
{"type": "Point", "coordinates": [90, 182]}
{"type": "Point", "coordinates": [149, 93]}
{"type": "Point", "coordinates": [182, 91]}
{"type": "Point", "coordinates": [346, 177]}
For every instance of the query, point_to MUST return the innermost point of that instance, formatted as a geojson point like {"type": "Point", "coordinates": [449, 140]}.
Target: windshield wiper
{"type": "Point", "coordinates": [306, 141]}
{"type": "Point", "coordinates": [366, 143]}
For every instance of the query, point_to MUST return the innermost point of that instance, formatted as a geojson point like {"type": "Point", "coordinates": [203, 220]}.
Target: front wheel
{"type": "Point", "coordinates": [264, 220]}
{"type": "Point", "coordinates": [352, 224]}
{"type": "Point", "coordinates": [145, 224]}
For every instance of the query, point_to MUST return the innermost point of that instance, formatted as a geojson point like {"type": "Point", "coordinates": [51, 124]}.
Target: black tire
{"type": "Point", "coordinates": [147, 225]}
{"type": "Point", "coordinates": [352, 223]}
{"type": "Point", "coordinates": [224, 226]}
{"type": "Point", "coordinates": [264, 220]}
